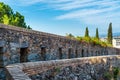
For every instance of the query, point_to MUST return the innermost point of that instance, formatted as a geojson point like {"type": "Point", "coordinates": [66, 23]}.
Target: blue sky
{"type": "Point", "coordinates": [69, 16]}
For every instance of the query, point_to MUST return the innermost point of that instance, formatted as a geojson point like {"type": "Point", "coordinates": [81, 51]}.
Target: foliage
{"type": "Point", "coordinates": [86, 32]}
{"type": "Point", "coordinates": [109, 36]}
{"type": "Point", "coordinates": [8, 17]}
{"type": "Point", "coordinates": [93, 40]}
{"type": "Point", "coordinates": [57, 69]}
{"type": "Point", "coordinates": [108, 76]}
{"type": "Point", "coordinates": [115, 72]}
{"type": "Point", "coordinates": [69, 35]}
{"type": "Point", "coordinates": [79, 38]}
{"type": "Point", "coordinates": [97, 34]}
{"type": "Point", "coordinates": [112, 75]}
{"type": "Point", "coordinates": [86, 39]}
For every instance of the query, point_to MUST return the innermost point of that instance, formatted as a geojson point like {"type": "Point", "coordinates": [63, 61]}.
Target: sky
{"type": "Point", "coordinates": [69, 16]}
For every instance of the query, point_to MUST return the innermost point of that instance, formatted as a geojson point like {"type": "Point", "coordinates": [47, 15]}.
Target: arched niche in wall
{"type": "Point", "coordinates": [82, 53]}
{"type": "Point", "coordinates": [87, 53]}
{"type": "Point", "coordinates": [99, 53]}
{"type": "Point", "coordinates": [106, 52]}
{"type": "Point", "coordinates": [23, 54]}
{"type": "Point", "coordinates": [24, 51]}
{"type": "Point", "coordinates": [117, 52]}
{"type": "Point", "coordinates": [1, 57]}
{"type": "Point", "coordinates": [60, 52]}
{"type": "Point", "coordinates": [76, 53]}
{"type": "Point", "coordinates": [1, 50]}
{"type": "Point", "coordinates": [102, 52]}
{"type": "Point", "coordinates": [96, 53]}
{"type": "Point", "coordinates": [43, 53]}
{"type": "Point", "coordinates": [91, 53]}
{"type": "Point", "coordinates": [69, 52]}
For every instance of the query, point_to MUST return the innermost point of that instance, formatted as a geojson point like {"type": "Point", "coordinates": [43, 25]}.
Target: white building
{"type": "Point", "coordinates": [104, 39]}
{"type": "Point", "coordinates": [116, 42]}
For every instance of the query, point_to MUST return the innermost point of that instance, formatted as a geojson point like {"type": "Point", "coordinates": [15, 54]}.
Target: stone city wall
{"type": "Point", "coordinates": [18, 45]}
{"type": "Point", "coordinates": [87, 68]}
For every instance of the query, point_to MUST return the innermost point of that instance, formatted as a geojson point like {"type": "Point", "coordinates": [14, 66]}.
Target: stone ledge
{"type": "Point", "coordinates": [23, 70]}
{"type": "Point", "coordinates": [15, 72]}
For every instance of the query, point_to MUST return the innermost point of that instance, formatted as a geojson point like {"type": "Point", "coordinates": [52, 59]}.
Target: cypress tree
{"type": "Point", "coordinates": [109, 36]}
{"type": "Point", "coordinates": [86, 32]}
{"type": "Point", "coordinates": [97, 34]}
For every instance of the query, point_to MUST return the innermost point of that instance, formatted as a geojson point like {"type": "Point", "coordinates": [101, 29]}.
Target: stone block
{"type": "Point", "coordinates": [2, 43]}
{"type": "Point", "coordinates": [14, 45]}
{"type": "Point", "coordinates": [33, 57]}
{"type": "Point", "coordinates": [1, 64]}
{"type": "Point", "coordinates": [24, 45]}
{"type": "Point", "coordinates": [2, 74]}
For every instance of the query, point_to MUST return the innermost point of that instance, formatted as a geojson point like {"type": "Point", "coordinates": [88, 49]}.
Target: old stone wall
{"type": "Point", "coordinates": [18, 45]}
{"type": "Point", "coordinates": [87, 68]}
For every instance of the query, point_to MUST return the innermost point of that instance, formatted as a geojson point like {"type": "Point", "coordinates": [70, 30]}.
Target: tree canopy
{"type": "Point", "coordinates": [97, 34]}
{"type": "Point", "coordinates": [110, 36]}
{"type": "Point", "coordinates": [8, 17]}
{"type": "Point", "coordinates": [86, 32]}
{"type": "Point", "coordinates": [69, 35]}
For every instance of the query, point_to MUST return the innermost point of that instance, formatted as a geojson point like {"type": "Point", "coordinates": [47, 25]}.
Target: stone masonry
{"type": "Point", "coordinates": [18, 45]}
{"type": "Point", "coordinates": [87, 68]}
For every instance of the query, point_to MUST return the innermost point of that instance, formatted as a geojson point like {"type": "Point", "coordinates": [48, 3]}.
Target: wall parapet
{"type": "Point", "coordinates": [11, 27]}
{"type": "Point", "coordinates": [23, 70]}
{"type": "Point", "coordinates": [15, 72]}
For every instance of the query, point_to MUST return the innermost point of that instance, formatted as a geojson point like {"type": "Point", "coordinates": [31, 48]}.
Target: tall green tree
{"type": "Point", "coordinates": [7, 16]}
{"type": "Point", "coordinates": [86, 32]}
{"type": "Point", "coordinates": [110, 34]}
{"type": "Point", "coordinates": [97, 34]}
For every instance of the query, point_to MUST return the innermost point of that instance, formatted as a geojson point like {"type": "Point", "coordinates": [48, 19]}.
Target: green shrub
{"type": "Point", "coordinates": [94, 41]}
{"type": "Point", "coordinates": [113, 74]}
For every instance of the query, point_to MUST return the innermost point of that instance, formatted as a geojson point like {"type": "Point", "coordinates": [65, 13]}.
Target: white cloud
{"type": "Point", "coordinates": [87, 11]}
{"type": "Point", "coordinates": [96, 12]}
{"type": "Point", "coordinates": [29, 2]}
